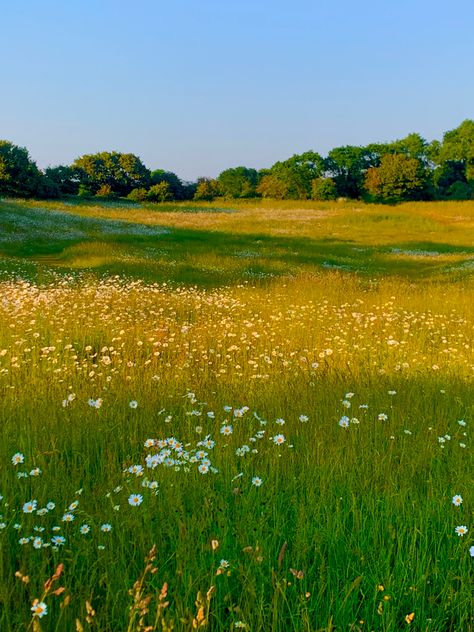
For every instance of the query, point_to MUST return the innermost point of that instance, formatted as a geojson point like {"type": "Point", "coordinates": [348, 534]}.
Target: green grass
{"type": "Point", "coordinates": [284, 309]}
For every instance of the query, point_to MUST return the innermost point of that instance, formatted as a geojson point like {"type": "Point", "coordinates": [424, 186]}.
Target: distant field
{"type": "Point", "coordinates": [214, 245]}
{"type": "Point", "coordinates": [279, 396]}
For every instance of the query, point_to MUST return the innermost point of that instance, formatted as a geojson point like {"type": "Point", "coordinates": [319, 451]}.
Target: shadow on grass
{"type": "Point", "coordinates": [207, 258]}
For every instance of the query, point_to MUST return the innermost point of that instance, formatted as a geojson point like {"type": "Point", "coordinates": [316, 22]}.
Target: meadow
{"type": "Point", "coordinates": [240, 415]}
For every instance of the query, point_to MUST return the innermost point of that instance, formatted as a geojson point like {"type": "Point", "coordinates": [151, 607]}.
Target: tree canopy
{"type": "Point", "coordinates": [121, 172]}
{"type": "Point", "coordinates": [19, 175]}
{"type": "Point", "coordinates": [398, 177]}
{"type": "Point", "coordinates": [239, 182]}
{"type": "Point", "coordinates": [403, 169]}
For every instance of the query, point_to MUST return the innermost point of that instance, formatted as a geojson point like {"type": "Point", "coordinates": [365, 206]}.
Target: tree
{"type": "Point", "coordinates": [397, 178]}
{"type": "Point", "coordinates": [175, 185]}
{"type": "Point", "coordinates": [160, 192]}
{"type": "Point", "coordinates": [137, 195]}
{"type": "Point", "coordinates": [296, 174]}
{"type": "Point", "coordinates": [238, 182]}
{"type": "Point", "coordinates": [347, 166]}
{"type": "Point", "coordinates": [105, 192]}
{"type": "Point", "coordinates": [19, 175]}
{"type": "Point", "coordinates": [122, 172]}
{"type": "Point", "coordinates": [207, 189]}
{"type": "Point", "coordinates": [272, 187]}
{"type": "Point", "coordinates": [449, 178]}
{"type": "Point", "coordinates": [323, 189]}
{"type": "Point", "coordinates": [458, 144]}
{"type": "Point", "coordinates": [63, 177]}
{"type": "Point", "coordinates": [189, 190]}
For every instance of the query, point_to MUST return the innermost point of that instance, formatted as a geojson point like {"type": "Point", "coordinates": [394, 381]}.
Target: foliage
{"type": "Point", "coordinates": [19, 175]}
{"type": "Point", "coordinates": [296, 174]}
{"type": "Point", "coordinates": [458, 145]}
{"type": "Point", "coordinates": [445, 167]}
{"type": "Point", "coordinates": [271, 186]}
{"type": "Point", "coordinates": [84, 191]}
{"type": "Point", "coordinates": [397, 178]}
{"type": "Point", "coordinates": [105, 191]}
{"type": "Point", "coordinates": [64, 178]}
{"type": "Point", "coordinates": [207, 189]}
{"type": "Point", "coordinates": [323, 189]}
{"type": "Point", "coordinates": [239, 182]}
{"type": "Point", "coordinates": [347, 166]}
{"type": "Point", "coordinates": [122, 172]}
{"type": "Point", "coordinates": [175, 186]}
{"type": "Point", "coordinates": [160, 192]}
{"type": "Point", "coordinates": [447, 175]}
{"type": "Point", "coordinates": [137, 195]}
{"type": "Point", "coordinates": [461, 191]}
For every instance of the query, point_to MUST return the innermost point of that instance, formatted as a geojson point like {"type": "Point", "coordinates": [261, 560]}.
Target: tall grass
{"type": "Point", "coordinates": [306, 435]}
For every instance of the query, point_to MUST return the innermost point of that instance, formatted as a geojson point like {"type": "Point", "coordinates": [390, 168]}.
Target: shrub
{"type": "Point", "coordinates": [160, 192]}
{"type": "Point", "coordinates": [137, 195]}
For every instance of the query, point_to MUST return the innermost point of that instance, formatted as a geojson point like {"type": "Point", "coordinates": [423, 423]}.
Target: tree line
{"type": "Point", "coordinates": [407, 169]}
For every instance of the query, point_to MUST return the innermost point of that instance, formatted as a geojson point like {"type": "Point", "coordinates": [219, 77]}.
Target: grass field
{"type": "Point", "coordinates": [277, 397]}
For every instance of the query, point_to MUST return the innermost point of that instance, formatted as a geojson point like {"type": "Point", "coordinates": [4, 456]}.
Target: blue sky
{"type": "Point", "coordinates": [199, 86]}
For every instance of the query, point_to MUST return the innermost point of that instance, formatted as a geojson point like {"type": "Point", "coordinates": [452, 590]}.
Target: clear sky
{"type": "Point", "coordinates": [196, 86]}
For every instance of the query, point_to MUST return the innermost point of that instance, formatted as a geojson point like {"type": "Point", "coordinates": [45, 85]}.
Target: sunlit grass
{"type": "Point", "coordinates": [367, 376]}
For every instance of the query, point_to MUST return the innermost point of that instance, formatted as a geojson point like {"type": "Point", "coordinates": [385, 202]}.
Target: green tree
{"type": "Point", "coordinates": [175, 185]}
{"type": "Point", "coordinates": [19, 175]}
{"type": "Point", "coordinates": [295, 176]}
{"type": "Point", "coordinates": [160, 192]}
{"type": "Point", "coordinates": [347, 166]}
{"type": "Point", "coordinates": [323, 189]}
{"type": "Point", "coordinates": [271, 186]}
{"type": "Point", "coordinates": [397, 178]}
{"type": "Point", "coordinates": [448, 178]}
{"type": "Point", "coordinates": [63, 177]}
{"type": "Point", "coordinates": [458, 145]}
{"type": "Point", "coordinates": [122, 172]}
{"type": "Point", "coordinates": [238, 182]}
{"type": "Point", "coordinates": [137, 195]}
{"type": "Point", "coordinates": [207, 189]}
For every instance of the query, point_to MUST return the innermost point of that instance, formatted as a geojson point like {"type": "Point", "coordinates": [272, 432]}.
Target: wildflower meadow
{"type": "Point", "coordinates": [253, 417]}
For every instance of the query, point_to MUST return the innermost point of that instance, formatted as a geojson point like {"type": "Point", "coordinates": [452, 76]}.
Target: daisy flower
{"type": "Point", "coordinates": [68, 517]}
{"type": "Point", "coordinates": [30, 506]}
{"type": "Point", "coordinates": [135, 499]}
{"type": "Point", "coordinates": [279, 439]}
{"type": "Point", "coordinates": [226, 430]}
{"type": "Point", "coordinates": [461, 530]}
{"type": "Point", "coordinates": [133, 404]}
{"type": "Point", "coordinates": [257, 481]}
{"type": "Point", "coordinates": [18, 458]}
{"type": "Point", "coordinates": [39, 608]}
{"type": "Point", "coordinates": [457, 500]}
{"type": "Point", "coordinates": [106, 528]}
